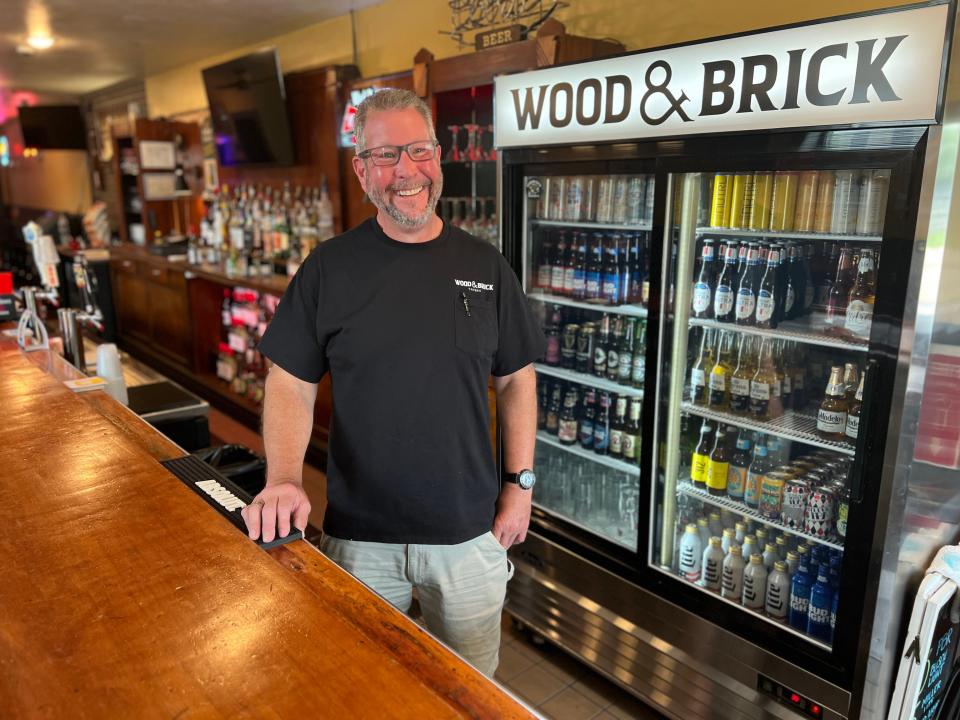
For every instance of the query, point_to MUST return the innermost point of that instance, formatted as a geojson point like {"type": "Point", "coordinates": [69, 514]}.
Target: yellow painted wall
{"type": "Point", "coordinates": [391, 33]}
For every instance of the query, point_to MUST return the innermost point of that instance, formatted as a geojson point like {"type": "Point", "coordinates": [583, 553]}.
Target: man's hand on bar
{"type": "Point", "coordinates": [271, 511]}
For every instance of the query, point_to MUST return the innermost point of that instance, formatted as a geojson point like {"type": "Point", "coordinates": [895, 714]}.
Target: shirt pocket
{"type": "Point", "coordinates": [475, 324]}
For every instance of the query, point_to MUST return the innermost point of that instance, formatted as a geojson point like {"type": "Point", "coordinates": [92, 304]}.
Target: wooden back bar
{"type": "Point", "coordinates": [125, 595]}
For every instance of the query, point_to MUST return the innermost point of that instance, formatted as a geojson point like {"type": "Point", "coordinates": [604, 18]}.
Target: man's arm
{"type": "Point", "coordinates": [517, 410]}
{"type": "Point", "coordinates": [287, 424]}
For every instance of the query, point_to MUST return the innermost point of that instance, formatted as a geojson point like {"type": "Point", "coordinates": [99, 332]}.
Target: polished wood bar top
{"type": "Point", "coordinates": [125, 595]}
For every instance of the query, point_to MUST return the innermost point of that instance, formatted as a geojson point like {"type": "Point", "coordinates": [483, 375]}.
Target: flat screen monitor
{"type": "Point", "coordinates": [248, 109]}
{"type": "Point", "coordinates": [53, 127]}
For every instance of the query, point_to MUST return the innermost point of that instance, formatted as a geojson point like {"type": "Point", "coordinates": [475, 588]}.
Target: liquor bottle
{"type": "Point", "coordinates": [742, 375]}
{"type": "Point", "coordinates": [739, 464]}
{"type": "Point", "coordinates": [625, 358]}
{"type": "Point", "coordinates": [756, 473]}
{"type": "Point", "coordinates": [691, 554]}
{"type": "Point", "coordinates": [559, 264]}
{"type": "Point", "coordinates": [723, 298]}
{"type": "Point", "coordinates": [638, 371]}
{"type": "Point", "coordinates": [819, 607]}
{"type": "Point", "coordinates": [631, 432]}
{"type": "Point", "coordinates": [568, 431]}
{"type": "Point", "coordinates": [778, 592]}
{"type": "Point", "coordinates": [594, 276]}
{"type": "Point", "coordinates": [768, 292]}
{"type": "Point", "coordinates": [613, 348]}
{"type": "Point", "coordinates": [832, 417]}
{"type": "Point", "coordinates": [746, 302]}
{"type": "Point", "coordinates": [703, 287]}
{"type": "Point", "coordinates": [701, 369]}
{"type": "Point", "coordinates": [850, 381]}
{"type": "Point", "coordinates": [601, 427]}
{"type": "Point", "coordinates": [754, 583]}
{"type": "Point", "coordinates": [718, 466]}
{"type": "Point", "coordinates": [799, 597]}
{"type": "Point", "coordinates": [720, 374]}
{"type": "Point", "coordinates": [731, 580]}
{"type": "Point", "coordinates": [712, 564]}
{"type": "Point", "coordinates": [600, 346]}
{"type": "Point", "coordinates": [617, 427]}
{"type": "Point", "coordinates": [553, 410]}
{"type": "Point", "coordinates": [610, 291]}
{"type": "Point", "coordinates": [859, 312]}
{"type": "Point", "coordinates": [762, 384]}
{"type": "Point", "coordinates": [853, 416]}
{"type": "Point", "coordinates": [587, 416]}
{"type": "Point", "coordinates": [840, 289]}
{"type": "Point", "coordinates": [701, 455]}
{"type": "Point", "coordinates": [579, 281]}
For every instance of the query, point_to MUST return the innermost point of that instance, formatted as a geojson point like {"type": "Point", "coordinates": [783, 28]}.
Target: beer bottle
{"type": "Point", "coordinates": [832, 418]}
{"type": "Point", "coordinates": [795, 299]}
{"type": "Point", "coordinates": [635, 289]}
{"type": "Point", "coordinates": [739, 463]}
{"type": "Point", "coordinates": [580, 268]}
{"type": "Point", "coordinates": [756, 472]}
{"type": "Point", "coordinates": [703, 287]}
{"type": "Point", "coordinates": [777, 400]}
{"type": "Point", "coordinates": [767, 294]}
{"type": "Point", "coordinates": [569, 267]}
{"type": "Point", "coordinates": [543, 399]}
{"type": "Point", "coordinates": [721, 372]}
{"type": "Point", "coordinates": [558, 266]}
{"type": "Point", "coordinates": [568, 430]}
{"type": "Point", "coordinates": [742, 256]}
{"type": "Point", "coordinates": [742, 375]}
{"type": "Point", "coordinates": [611, 271]}
{"type": "Point", "coordinates": [626, 352]}
{"type": "Point", "coordinates": [783, 275]}
{"type": "Point", "coordinates": [553, 410]}
{"type": "Point", "coordinates": [806, 256]}
{"type": "Point", "coordinates": [799, 378]}
{"type": "Point", "coordinates": [850, 381]}
{"type": "Point", "coordinates": [624, 268]}
{"type": "Point", "coordinates": [840, 289]}
{"type": "Point", "coordinates": [859, 313]}
{"type": "Point", "coordinates": [595, 268]}
{"type": "Point", "coordinates": [545, 262]}
{"type": "Point", "coordinates": [701, 455]}
{"type": "Point", "coordinates": [718, 466]}
{"type": "Point", "coordinates": [853, 416]}
{"type": "Point", "coordinates": [587, 416]}
{"type": "Point", "coordinates": [617, 427]}
{"type": "Point", "coordinates": [638, 372]}
{"type": "Point", "coordinates": [631, 432]}
{"type": "Point", "coordinates": [601, 344]}
{"type": "Point", "coordinates": [644, 269]}
{"type": "Point", "coordinates": [613, 348]}
{"type": "Point", "coordinates": [761, 386]}
{"type": "Point", "coordinates": [825, 275]}
{"type": "Point", "coordinates": [601, 427]}
{"type": "Point", "coordinates": [747, 291]}
{"type": "Point", "coordinates": [701, 369]}
{"type": "Point", "coordinates": [723, 298]}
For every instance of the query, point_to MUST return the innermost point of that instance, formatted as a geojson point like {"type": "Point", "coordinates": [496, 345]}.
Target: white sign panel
{"type": "Point", "coordinates": [863, 70]}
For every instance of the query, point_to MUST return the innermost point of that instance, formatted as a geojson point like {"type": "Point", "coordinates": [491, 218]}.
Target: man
{"type": "Point", "coordinates": [410, 316]}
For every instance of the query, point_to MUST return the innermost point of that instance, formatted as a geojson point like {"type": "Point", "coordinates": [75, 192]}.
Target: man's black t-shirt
{"type": "Point", "coordinates": [410, 333]}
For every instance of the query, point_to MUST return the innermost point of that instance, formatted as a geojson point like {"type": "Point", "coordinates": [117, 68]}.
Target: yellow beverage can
{"type": "Point", "coordinates": [823, 215]}
{"type": "Point", "coordinates": [784, 205]}
{"type": "Point", "coordinates": [803, 219]}
{"type": "Point", "coordinates": [720, 208]}
{"type": "Point", "coordinates": [741, 200]}
{"type": "Point", "coordinates": [762, 198]}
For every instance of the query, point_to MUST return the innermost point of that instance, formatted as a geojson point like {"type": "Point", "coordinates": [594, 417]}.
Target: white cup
{"type": "Point", "coordinates": [110, 369]}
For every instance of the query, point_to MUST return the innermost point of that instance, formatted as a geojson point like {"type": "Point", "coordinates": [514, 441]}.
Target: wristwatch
{"type": "Point", "coordinates": [525, 479]}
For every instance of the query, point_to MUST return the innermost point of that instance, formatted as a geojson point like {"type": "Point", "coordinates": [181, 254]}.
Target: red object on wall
{"type": "Point", "coordinates": [938, 431]}
{"type": "Point", "coordinates": [6, 283]}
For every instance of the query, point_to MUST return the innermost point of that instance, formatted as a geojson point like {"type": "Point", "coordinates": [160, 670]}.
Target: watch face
{"type": "Point", "coordinates": [526, 479]}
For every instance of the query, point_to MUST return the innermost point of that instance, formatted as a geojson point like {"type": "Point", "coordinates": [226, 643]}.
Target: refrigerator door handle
{"type": "Point", "coordinates": [864, 432]}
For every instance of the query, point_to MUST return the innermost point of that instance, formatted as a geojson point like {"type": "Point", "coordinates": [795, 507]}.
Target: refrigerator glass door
{"type": "Point", "coordinates": [585, 250]}
{"type": "Point", "coordinates": [769, 290]}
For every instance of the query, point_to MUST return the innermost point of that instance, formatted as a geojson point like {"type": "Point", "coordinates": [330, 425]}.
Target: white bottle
{"type": "Point", "coordinates": [770, 556]}
{"type": "Point", "coordinates": [754, 583]}
{"type": "Point", "coordinates": [782, 547]}
{"type": "Point", "coordinates": [728, 539]}
{"type": "Point", "coordinates": [741, 532]}
{"type": "Point", "coordinates": [713, 565]}
{"type": "Point", "coordinates": [691, 553]}
{"type": "Point", "coordinates": [703, 527]}
{"type": "Point", "coordinates": [778, 592]}
{"type": "Point", "coordinates": [749, 547]}
{"type": "Point", "coordinates": [716, 525]}
{"type": "Point", "coordinates": [793, 562]}
{"type": "Point", "coordinates": [732, 577]}
{"type": "Point", "coordinates": [762, 539]}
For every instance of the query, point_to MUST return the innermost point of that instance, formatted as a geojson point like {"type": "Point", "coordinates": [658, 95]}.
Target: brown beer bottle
{"type": "Point", "coordinates": [700, 372]}
{"type": "Point", "coordinates": [840, 290]}
{"type": "Point", "coordinates": [859, 312]}
{"type": "Point", "coordinates": [701, 455]}
{"type": "Point", "coordinates": [718, 466]}
{"type": "Point", "coordinates": [832, 418]}
{"type": "Point", "coordinates": [719, 381]}
{"type": "Point", "coordinates": [742, 375]}
{"type": "Point", "coordinates": [853, 417]}
{"type": "Point", "coordinates": [850, 381]}
{"type": "Point", "coordinates": [762, 384]}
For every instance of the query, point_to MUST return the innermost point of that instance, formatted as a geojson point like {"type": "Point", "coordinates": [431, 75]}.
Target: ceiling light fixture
{"type": "Point", "coordinates": [40, 42]}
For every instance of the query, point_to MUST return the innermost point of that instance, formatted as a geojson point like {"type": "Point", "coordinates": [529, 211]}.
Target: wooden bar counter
{"type": "Point", "coordinates": [125, 595]}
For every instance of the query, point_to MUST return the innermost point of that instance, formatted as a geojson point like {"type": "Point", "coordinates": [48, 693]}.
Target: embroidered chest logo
{"type": "Point", "coordinates": [473, 285]}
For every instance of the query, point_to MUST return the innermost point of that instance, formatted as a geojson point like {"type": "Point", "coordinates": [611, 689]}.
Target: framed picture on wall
{"type": "Point", "coordinates": [159, 186]}
{"type": "Point", "coordinates": [157, 155]}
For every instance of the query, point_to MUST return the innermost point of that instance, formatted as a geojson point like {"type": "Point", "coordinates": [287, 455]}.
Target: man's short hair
{"type": "Point", "coordinates": [390, 99]}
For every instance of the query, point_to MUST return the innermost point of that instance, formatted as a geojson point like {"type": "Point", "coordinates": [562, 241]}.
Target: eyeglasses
{"type": "Point", "coordinates": [387, 155]}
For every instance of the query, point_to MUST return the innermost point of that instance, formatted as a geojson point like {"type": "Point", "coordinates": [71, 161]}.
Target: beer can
{"type": "Point", "coordinates": [604, 203]}
{"type": "Point", "coordinates": [540, 208]}
{"type": "Point", "coordinates": [568, 346]}
{"type": "Point", "coordinates": [873, 202]}
{"type": "Point", "coordinates": [585, 347]}
{"type": "Point", "coordinates": [823, 216]}
{"type": "Point", "coordinates": [619, 209]}
{"type": "Point", "coordinates": [794, 507]}
{"type": "Point", "coordinates": [784, 205]}
{"type": "Point", "coordinates": [720, 208]}
{"type": "Point", "coordinates": [818, 517]}
{"type": "Point", "coordinates": [556, 198]}
{"type": "Point", "coordinates": [573, 204]}
{"type": "Point", "coordinates": [803, 220]}
{"type": "Point", "coordinates": [741, 200]}
{"type": "Point", "coordinates": [771, 494]}
{"type": "Point", "coordinates": [846, 195]}
{"type": "Point", "coordinates": [761, 201]}
{"type": "Point", "coordinates": [648, 202]}
{"type": "Point", "coordinates": [636, 198]}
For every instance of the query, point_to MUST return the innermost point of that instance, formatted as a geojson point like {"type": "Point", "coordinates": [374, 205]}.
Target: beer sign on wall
{"type": "Point", "coordinates": [879, 68]}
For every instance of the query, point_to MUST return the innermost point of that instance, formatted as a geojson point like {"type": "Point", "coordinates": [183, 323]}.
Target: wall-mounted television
{"type": "Point", "coordinates": [53, 127]}
{"type": "Point", "coordinates": [248, 110]}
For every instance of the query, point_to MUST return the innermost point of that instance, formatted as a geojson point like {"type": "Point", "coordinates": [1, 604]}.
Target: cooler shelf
{"type": "Point", "coordinates": [686, 487]}
{"type": "Point", "coordinates": [588, 380]}
{"type": "Point", "coordinates": [788, 235]}
{"type": "Point", "coordinates": [789, 331]}
{"type": "Point", "coordinates": [791, 425]}
{"type": "Point", "coordinates": [593, 225]}
{"type": "Point", "coordinates": [631, 310]}
{"type": "Point", "coordinates": [611, 462]}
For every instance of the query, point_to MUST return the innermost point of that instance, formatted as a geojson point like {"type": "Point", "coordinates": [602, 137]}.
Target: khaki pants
{"type": "Point", "coordinates": [461, 588]}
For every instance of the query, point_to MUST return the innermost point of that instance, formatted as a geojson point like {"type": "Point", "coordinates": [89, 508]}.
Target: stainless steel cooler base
{"type": "Point", "coordinates": [676, 661]}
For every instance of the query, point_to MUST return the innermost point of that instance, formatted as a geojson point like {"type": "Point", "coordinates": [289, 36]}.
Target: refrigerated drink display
{"type": "Point", "coordinates": [586, 248]}
{"type": "Point", "coordinates": [776, 296]}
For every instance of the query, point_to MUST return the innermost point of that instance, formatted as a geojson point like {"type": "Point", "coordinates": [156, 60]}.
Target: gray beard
{"type": "Point", "coordinates": [403, 220]}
